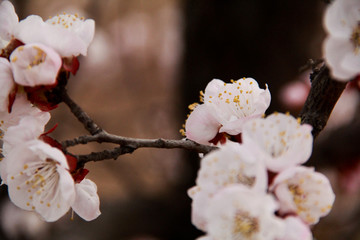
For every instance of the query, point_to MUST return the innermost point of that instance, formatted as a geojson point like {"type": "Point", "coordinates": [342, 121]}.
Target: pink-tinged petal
{"type": "Point", "coordinates": [237, 212]}
{"type": "Point", "coordinates": [232, 164]}
{"type": "Point", "coordinates": [21, 108]}
{"type": "Point", "coordinates": [234, 103]}
{"type": "Point", "coordinates": [341, 17]}
{"type": "Point", "coordinates": [37, 180]}
{"type": "Point", "coordinates": [68, 35]}
{"type": "Point", "coordinates": [199, 207]}
{"type": "Point", "coordinates": [335, 51]}
{"type": "Point", "coordinates": [29, 128]}
{"type": "Point", "coordinates": [8, 20]}
{"type": "Point", "coordinates": [34, 65]}
{"type": "Point", "coordinates": [279, 140]}
{"type": "Point", "coordinates": [87, 202]}
{"type": "Point", "coordinates": [6, 83]}
{"type": "Point", "coordinates": [296, 229]}
{"type": "Point", "coordinates": [201, 126]}
{"type": "Point", "coordinates": [303, 191]}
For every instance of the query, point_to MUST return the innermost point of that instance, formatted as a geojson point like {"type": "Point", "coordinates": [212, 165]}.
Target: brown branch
{"type": "Point", "coordinates": [129, 145]}
{"type": "Point", "coordinates": [82, 116]}
{"type": "Point", "coordinates": [322, 98]}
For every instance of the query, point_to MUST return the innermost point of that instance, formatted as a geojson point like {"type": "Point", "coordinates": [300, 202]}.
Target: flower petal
{"type": "Point", "coordinates": [8, 19]}
{"type": "Point", "coordinates": [305, 192]}
{"type": "Point", "coordinates": [201, 126]}
{"type": "Point", "coordinates": [87, 201]}
{"type": "Point", "coordinates": [34, 65]}
{"type": "Point", "coordinates": [335, 51]}
{"type": "Point", "coordinates": [6, 83]}
{"type": "Point", "coordinates": [279, 140]}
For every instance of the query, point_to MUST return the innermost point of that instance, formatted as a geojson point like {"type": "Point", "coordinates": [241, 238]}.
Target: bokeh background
{"type": "Point", "coordinates": [147, 63]}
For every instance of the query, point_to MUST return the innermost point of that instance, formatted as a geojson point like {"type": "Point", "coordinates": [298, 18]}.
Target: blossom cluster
{"type": "Point", "coordinates": [253, 186]}
{"type": "Point", "coordinates": [35, 57]}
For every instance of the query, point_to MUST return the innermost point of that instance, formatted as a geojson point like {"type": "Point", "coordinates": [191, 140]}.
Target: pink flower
{"type": "Point", "coordinates": [34, 65]}
{"type": "Point", "coordinates": [305, 192]}
{"type": "Point", "coordinates": [279, 140]}
{"type": "Point", "coordinates": [231, 164]}
{"type": "Point", "coordinates": [6, 83]}
{"type": "Point", "coordinates": [226, 108]}
{"type": "Point", "coordinates": [341, 47]}
{"type": "Point", "coordinates": [240, 213]}
{"type": "Point", "coordinates": [68, 35]}
{"type": "Point", "coordinates": [38, 180]}
{"type": "Point", "coordinates": [87, 201]}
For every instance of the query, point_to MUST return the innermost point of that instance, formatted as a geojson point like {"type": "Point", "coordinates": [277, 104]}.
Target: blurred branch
{"type": "Point", "coordinates": [82, 116]}
{"type": "Point", "coordinates": [321, 100]}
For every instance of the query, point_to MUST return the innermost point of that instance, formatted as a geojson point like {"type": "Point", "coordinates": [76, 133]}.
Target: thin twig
{"type": "Point", "coordinates": [82, 116]}
{"type": "Point", "coordinates": [129, 145]}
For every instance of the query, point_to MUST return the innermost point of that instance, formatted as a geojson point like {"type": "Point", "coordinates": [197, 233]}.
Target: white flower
{"type": "Point", "coordinates": [230, 105]}
{"type": "Point", "coordinates": [35, 64]}
{"type": "Point", "coordinates": [87, 201]}
{"type": "Point", "coordinates": [342, 46]}
{"type": "Point", "coordinates": [279, 140]}
{"type": "Point", "coordinates": [296, 229]}
{"type": "Point", "coordinates": [305, 192]}
{"type": "Point", "coordinates": [68, 34]}
{"type": "Point", "coordinates": [6, 83]}
{"type": "Point", "coordinates": [29, 128]}
{"type": "Point", "coordinates": [8, 20]}
{"type": "Point", "coordinates": [38, 180]}
{"type": "Point", "coordinates": [240, 213]}
{"type": "Point", "coordinates": [231, 164]}
{"type": "Point", "coordinates": [21, 108]}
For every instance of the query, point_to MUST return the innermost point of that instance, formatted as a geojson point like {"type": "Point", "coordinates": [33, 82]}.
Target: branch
{"type": "Point", "coordinates": [129, 145]}
{"type": "Point", "coordinates": [322, 98]}
{"type": "Point", "coordinates": [82, 116]}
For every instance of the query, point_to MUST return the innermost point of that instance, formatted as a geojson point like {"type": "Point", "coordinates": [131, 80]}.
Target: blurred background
{"type": "Point", "coordinates": [148, 61]}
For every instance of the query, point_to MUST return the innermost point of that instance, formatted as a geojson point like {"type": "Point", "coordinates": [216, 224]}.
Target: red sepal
{"type": "Point", "coordinates": [80, 174]}
{"type": "Point", "coordinates": [71, 64]}
{"type": "Point", "coordinates": [36, 95]}
{"type": "Point", "coordinates": [72, 161]}
{"type": "Point", "coordinates": [220, 137]}
{"type": "Point", "coordinates": [11, 98]}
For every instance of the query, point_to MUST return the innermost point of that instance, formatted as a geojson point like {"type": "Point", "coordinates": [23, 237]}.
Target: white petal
{"type": "Point", "coordinates": [232, 104]}
{"type": "Point", "coordinates": [29, 128]}
{"type": "Point", "coordinates": [8, 19]}
{"type": "Point", "coordinates": [279, 140]}
{"type": "Point", "coordinates": [37, 180]}
{"type": "Point", "coordinates": [6, 83]}
{"type": "Point", "coordinates": [296, 229]}
{"type": "Point", "coordinates": [201, 126]}
{"type": "Point", "coordinates": [239, 213]}
{"type": "Point", "coordinates": [87, 201]}
{"type": "Point", "coordinates": [302, 191]}
{"type": "Point", "coordinates": [70, 37]}
{"type": "Point", "coordinates": [231, 164]}
{"type": "Point", "coordinates": [21, 108]}
{"type": "Point", "coordinates": [335, 51]}
{"type": "Point", "coordinates": [35, 64]}
{"type": "Point", "coordinates": [341, 17]}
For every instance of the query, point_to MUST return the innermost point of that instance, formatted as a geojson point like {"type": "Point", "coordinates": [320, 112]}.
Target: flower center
{"type": "Point", "coordinates": [355, 38]}
{"type": "Point", "coordinates": [38, 58]}
{"type": "Point", "coordinates": [245, 225]}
